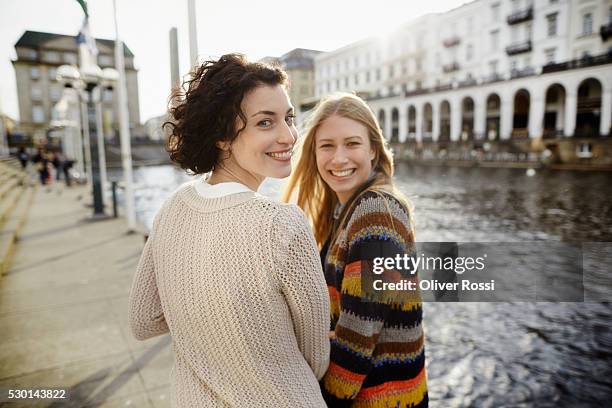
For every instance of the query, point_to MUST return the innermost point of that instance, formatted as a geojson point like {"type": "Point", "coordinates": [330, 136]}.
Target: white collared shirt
{"type": "Point", "coordinates": [207, 190]}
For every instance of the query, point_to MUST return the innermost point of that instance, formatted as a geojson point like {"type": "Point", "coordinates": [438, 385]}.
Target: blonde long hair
{"type": "Point", "coordinates": [314, 196]}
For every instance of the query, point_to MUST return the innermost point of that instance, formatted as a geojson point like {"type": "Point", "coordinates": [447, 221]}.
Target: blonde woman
{"type": "Point", "coordinates": [343, 181]}
{"type": "Point", "coordinates": [233, 276]}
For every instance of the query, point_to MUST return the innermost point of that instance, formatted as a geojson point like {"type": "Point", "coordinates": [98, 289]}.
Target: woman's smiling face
{"type": "Point", "coordinates": [265, 145]}
{"type": "Point", "coordinates": [343, 154]}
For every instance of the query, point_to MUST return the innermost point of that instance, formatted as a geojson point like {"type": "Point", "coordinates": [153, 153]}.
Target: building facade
{"type": "Point", "coordinates": [39, 55]}
{"type": "Point", "coordinates": [488, 70]}
{"type": "Point", "coordinates": [299, 65]}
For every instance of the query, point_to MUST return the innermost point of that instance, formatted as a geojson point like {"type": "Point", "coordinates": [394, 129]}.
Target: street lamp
{"type": "Point", "coordinates": [88, 79]}
{"type": "Point", "coordinates": [70, 76]}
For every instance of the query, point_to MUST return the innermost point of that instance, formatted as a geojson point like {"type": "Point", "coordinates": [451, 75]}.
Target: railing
{"type": "Point", "coordinates": [606, 31]}
{"type": "Point", "coordinates": [588, 103]}
{"type": "Point", "coordinates": [467, 82]}
{"type": "Point", "coordinates": [520, 73]}
{"type": "Point", "coordinates": [520, 134]}
{"type": "Point", "coordinates": [445, 87]}
{"type": "Point", "coordinates": [493, 78]}
{"type": "Point", "coordinates": [587, 61]}
{"type": "Point", "coordinates": [451, 41]}
{"type": "Point", "coordinates": [586, 133]}
{"type": "Point", "coordinates": [453, 66]}
{"type": "Point", "coordinates": [519, 48]}
{"type": "Point", "coordinates": [416, 92]}
{"type": "Point", "coordinates": [520, 16]}
{"type": "Point", "coordinates": [552, 133]}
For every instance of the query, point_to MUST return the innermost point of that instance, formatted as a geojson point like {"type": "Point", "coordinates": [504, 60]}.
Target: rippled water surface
{"type": "Point", "coordinates": [495, 354]}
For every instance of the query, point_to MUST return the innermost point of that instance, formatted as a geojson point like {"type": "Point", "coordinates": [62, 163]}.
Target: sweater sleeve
{"type": "Point", "coordinates": [146, 316]}
{"type": "Point", "coordinates": [301, 280]}
{"type": "Point", "coordinates": [373, 230]}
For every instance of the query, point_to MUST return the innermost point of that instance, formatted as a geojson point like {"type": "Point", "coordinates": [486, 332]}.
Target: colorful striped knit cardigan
{"type": "Point", "coordinates": [377, 352]}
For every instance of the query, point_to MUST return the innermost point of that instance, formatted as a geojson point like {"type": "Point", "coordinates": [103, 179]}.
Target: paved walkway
{"type": "Point", "coordinates": [63, 310]}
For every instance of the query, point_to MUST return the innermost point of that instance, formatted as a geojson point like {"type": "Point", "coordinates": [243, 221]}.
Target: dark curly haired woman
{"type": "Point", "coordinates": [233, 276]}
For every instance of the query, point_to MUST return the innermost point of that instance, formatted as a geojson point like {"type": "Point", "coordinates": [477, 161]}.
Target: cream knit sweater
{"type": "Point", "coordinates": [237, 281]}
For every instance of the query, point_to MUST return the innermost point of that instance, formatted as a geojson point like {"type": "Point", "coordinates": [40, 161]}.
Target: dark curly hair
{"type": "Point", "coordinates": [204, 110]}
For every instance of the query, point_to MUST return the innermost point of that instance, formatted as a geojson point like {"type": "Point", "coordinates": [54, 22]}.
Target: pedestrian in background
{"type": "Point", "coordinates": [43, 165]}
{"type": "Point", "coordinates": [23, 157]}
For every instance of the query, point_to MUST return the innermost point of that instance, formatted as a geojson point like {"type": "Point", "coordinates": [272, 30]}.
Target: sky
{"type": "Point", "coordinates": [257, 29]}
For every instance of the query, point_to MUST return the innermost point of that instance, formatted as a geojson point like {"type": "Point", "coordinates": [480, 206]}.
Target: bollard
{"type": "Point", "coordinates": [114, 188]}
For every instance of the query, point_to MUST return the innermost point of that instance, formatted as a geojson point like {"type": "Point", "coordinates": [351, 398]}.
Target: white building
{"type": "Point", "coordinates": [496, 69]}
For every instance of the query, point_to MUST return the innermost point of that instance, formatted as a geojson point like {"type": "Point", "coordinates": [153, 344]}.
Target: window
{"type": "Point", "coordinates": [528, 31]}
{"type": "Point", "coordinates": [52, 56]}
{"type": "Point", "coordinates": [356, 62]}
{"type": "Point", "coordinates": [378, 74]}
{"type": "Point", "coordinates": [494, 40]}
{"type": "Point", "coordinates": [495, 12]}
{"type": "Point", "coordinates": [346, 82]}
{"type": "Point", "coordinates": [391, 71]}
{"type": "Point", "coordinates": [584, 150]}
{"type": "Point", "coordinates": [550, 55]}
{"type": "Point", "coordinates": [55, 93]}
{"type": "Point", "coordinates": [418, 85]}
{"type": "Point", "coordinates": [418, 65]}
{"type": "Point", "coordinates": [513, 65]}
{"type": "Point", "coordinates": [470, 25]}
{"type": "Point", "coordinates": [36, 92]}
{"type": "Point", "coordinates": [493, 67]}
{"type": "Point", "coordinates": [107, 95]}
{"type": "Point", "coordinates": [52, 73]}
{"type": "Point", "coordinates": [356, 79]}
{"type": "Point", "coordinates": [38, 114]}
{"type": "Point", "coordinates": [469, 52]}
{"type": "Point", "coordinates": [587, 24]}
{"type": "Point", "coordinates": [29, 54]}
{"type": "Point", "coordinates": [70, 58]}
{"type": "Point", "coordinates": [368, 77]}
{"type": "Point", "coordinates": [551, 24]}
{"type": "Point", "coordinates": [514, 34]}
{"type": "Point", "coordinates": [105, 60]}
{"type": "Point", "coordinates": [34, 73]}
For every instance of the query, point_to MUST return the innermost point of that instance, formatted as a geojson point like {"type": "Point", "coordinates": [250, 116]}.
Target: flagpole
{"type": "Point", "coordinates": [124, 130]}
{"type": "Point", "coordinates": [193, 33]}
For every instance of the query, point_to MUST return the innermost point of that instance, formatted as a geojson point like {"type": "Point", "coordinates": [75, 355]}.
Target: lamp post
{"type": "Point", "coordinates": [87, 80]}
{"type": "Point", "coordinates": [91, 75]}
{"type": "Point", "coordinates": [69, 111]}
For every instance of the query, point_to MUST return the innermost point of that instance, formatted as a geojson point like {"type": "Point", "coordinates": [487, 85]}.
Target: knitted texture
{"type": "Point", "coordinates": [237, 282]}
{"type": "Point", "coordinates": [377, 353]}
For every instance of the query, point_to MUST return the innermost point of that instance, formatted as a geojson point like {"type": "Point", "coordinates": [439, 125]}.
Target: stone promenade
{"type": "Point", "coordinates": [63, 310]}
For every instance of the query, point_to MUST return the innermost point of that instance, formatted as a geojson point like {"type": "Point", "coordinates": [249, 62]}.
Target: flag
{"type": "Point", "coordinates": [84, 37]}
{"type": "Point", "coordinates": [83, 4]}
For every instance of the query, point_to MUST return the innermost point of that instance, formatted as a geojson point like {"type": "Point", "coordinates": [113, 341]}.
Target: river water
{"type": "Point", "coordinates": [510, 354]}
